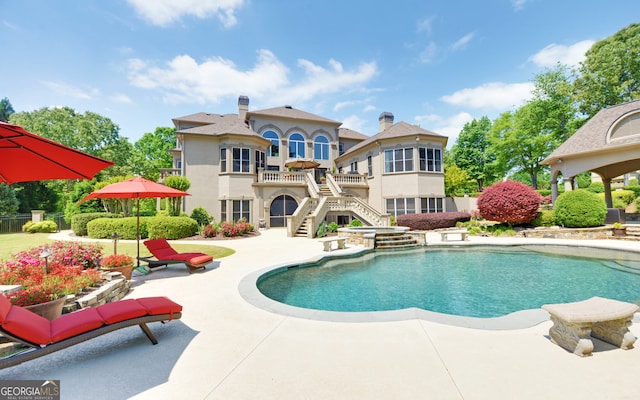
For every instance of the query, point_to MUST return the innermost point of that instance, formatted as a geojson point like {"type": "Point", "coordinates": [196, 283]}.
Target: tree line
{"type": "Point", "coordinates": [513, 145]}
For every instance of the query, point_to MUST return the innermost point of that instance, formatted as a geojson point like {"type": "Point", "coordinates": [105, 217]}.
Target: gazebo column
{"type": "Point", "coordinates": [568, 184]}
{"type": "Point", "coordinates": [554, 190]}
{"type": "Point", "coordinates": [607, 192]}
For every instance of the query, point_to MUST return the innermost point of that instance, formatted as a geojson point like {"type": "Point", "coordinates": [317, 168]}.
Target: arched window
{"type": "Point", "coordinates": [296, 146]}
{"type": "Point", "coordinates": [321, 148]}
{"type": "Point", "coordinates": [274, 149]}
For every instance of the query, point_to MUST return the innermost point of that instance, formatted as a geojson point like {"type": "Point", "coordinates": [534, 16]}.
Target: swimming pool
{"type": "Point", "coordinates": [481, 282]}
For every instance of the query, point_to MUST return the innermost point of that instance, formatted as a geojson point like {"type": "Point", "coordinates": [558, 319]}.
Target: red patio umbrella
{"type": "Point", "coordinates": [25, 157]}
{"type": "Point", "coordinates": [135, 188]}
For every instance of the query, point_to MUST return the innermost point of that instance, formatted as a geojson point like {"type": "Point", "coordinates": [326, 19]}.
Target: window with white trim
{"type": "Point", "coordinates": [431, 205]}
{"type": "Point", "coordinates": [401, 206]}
{"type": "Point", "coordinates": [241, 160]}
{"type": "Point", "coordinates": [241, 209]}
{"type": "Point", "coordinates": [321, 148]}
{"type": "Point", "coordinates": [398, 160]}
{"type": "Point", "coordinates": [274, 148]}
{"type": "Point", "coordinates": [223, 160]}
{"type": "Point", "coordinates": [296, 146]}
{"type": "Point", "coordinates": [260, 160]}
{"type": "Point", "coordinates": [430, 159]}
{"type": "Point", "coordinates": [354, 167]}
{"type": "Point", "coordinates": [369, 166]}
{"type": "Point", "coordinates": [223, 210]}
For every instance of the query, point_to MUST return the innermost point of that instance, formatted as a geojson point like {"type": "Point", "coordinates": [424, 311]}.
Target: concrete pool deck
{"type": "Point", "coordinates": [225, 348]}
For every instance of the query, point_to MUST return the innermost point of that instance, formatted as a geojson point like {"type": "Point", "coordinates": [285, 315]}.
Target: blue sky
{"type": "Point", "coordinates": [436, 63]}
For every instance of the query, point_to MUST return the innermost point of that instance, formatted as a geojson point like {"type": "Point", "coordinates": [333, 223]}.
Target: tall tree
{"type": "Point", "coordinates": [610, 73]}
{"type": "Point", "coordinates": [6, 109]}
{"type": "Point", "coordinates": [8, 201]}
{"type": "Point", "coordinates": [180, 183]}
{"type": "Point", "coordinates": [152, 152]}
{"type": "Point", "coordinates": [472, 151]}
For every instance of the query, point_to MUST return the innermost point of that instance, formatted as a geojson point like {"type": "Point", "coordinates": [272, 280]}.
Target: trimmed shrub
{"type": "Point", "coordinates": [634, 188]}
{"type": "Point", "coordinates": [544, 218]}
{"type": "Point", "coordinates": [429, 221]}
{"type": "Point", "coordinates": [580, 208]}
{"type": "Point", "coordinates": [209, 231]}
{"type": "Point", "coordinates": [125, 228]}
{"type": "Point", "coordinates": [509, 202]}
{"type": "Point", "coordinates": [332, 227]}
{"type": "Point", "coordinates": [201, 216]}
{"type": "Point", "coordinates": [171, 227]}
{"type": "Point", "coordinates": [322, 230]}
{"type": "Point", "coordinates": [40, 227]}
{"type": "Point", "coordinates": [79, 221]}
{"type": "Point", "coordinates": [355, 222]}
{"type": "Point", "coordinates": [596, 187]}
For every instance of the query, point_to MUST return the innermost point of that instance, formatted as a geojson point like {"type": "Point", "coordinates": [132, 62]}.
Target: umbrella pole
{"type": "Point", "coordinates": [138, 234]}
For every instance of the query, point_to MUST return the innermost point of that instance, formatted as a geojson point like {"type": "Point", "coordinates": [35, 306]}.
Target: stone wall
{"type": "Point", "coordinates": [601, 232]}
{"type": "Point", "coordinates": [115, 289]}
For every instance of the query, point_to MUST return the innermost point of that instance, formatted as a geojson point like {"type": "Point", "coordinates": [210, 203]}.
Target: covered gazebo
{"type": "Point", "coordinates": [608, 145]}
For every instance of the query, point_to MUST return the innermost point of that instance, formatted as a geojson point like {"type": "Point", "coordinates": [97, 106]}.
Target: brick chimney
{"type": "Point", "coordinates": [243, 107]}
{"type": "Point", "coordinates": [386, 121]}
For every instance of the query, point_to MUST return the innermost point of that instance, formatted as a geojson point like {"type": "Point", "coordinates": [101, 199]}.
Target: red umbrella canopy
{"type": "Point", "coordinates": [26, 157]}
{"type": "Point", "coordinates": [135, 188]}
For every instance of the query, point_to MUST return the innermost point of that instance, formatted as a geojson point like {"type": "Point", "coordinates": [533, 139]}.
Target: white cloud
{"type": "Point", "coordinates": [463, 41]}
{"type": "Point", "coordinates": [165, 12]}
{"type": "Point", "coordinates": [557, 53]}
{"type": "Point", "coordinates": [449, 126]}
{"type": "Point", "coordinates": [355, 123]}
{"type": "Point", "coordinates": [493, 95]}
{"type": "Point", "coordinates": [518, 4]}
{"type": "Point", "coordinates": [184, 80]}
{"type": "Point", "coordinates": [353, 103]}
{"type": "Point", "coordinates": [426, 24]}
{"type": "Point", "coordinates": [429, 53]}
{"type": "Point", "coordinates": [64, 89]}
{"type": "Point", "coordinates": [121, 98]}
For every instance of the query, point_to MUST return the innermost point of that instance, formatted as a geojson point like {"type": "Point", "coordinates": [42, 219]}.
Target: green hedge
{"type": "Point", "coordinates": [171, 227]}
{"type": "Point", "coordinates": [150, 227]}
{"type": "Point", "coordinates": [40, 227]}
{"type": "Point", "coordinates": [544, 218]}
{"type": "Point", "coordinates": [79, 221]}
{"type": "Point", "coordinates": [125, 228]}
{"type": "Point", "coordinates": [580, 208]}
{"type": "Point", "coordinates": [621, 198]}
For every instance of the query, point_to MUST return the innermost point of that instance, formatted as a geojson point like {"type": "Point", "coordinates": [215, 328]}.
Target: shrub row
{"type": "Point", "coordinates": [79, 221]}
{"type": "Point", "coordinates": [580, 208]}
{"type": "Point", "coordinates": [40, 227]}
{"type": "Point", "coordinates": [150, 227]}
{"type": "Point", "coordinates": [428, 221]}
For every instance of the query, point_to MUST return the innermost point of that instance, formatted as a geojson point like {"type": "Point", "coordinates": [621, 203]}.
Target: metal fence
{"type": "Point", "coordinates": [13, 223]}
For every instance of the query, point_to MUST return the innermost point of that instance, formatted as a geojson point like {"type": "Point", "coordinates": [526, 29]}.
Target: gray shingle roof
{"type": "Point", "coordinates": [349, 134]}
{"type": "Point", "coordinates": [292, 113]}
{"type": "Point", "coordinates": [592, 136]}
{"type": "Point", "coordinates": [397, 130]}
{"type": "Point", "coordinates": [218, 124]}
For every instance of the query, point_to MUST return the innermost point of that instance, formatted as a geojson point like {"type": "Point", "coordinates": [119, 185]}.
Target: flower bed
{"type": "Point", "coordinates": [67, 269]}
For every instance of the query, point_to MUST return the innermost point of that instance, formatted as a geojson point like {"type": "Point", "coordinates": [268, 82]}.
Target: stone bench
{"type": "Point", "coordinates": [462, 232]}
{"type": "Point", "coordinates": [326, 242]}
{"type": "Point", "coordinates": [574, 324]}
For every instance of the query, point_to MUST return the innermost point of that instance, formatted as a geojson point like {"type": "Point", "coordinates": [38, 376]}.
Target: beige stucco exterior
{"type": "Point", "coordinates": [268, 185]}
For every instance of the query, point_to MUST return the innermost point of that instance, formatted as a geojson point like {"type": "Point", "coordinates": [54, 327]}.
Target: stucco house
{"type": "Point", "coordinates": [237, 166]}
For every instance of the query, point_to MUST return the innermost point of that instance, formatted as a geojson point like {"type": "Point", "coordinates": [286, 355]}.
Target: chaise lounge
{"type": "Point", "coordinates": [44, 337]}
{"type": "Point", "coordinates": [165, 254]}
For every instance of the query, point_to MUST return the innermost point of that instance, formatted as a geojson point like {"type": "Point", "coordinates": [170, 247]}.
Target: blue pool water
{"type": "Point", "coordinates": [469, 282]}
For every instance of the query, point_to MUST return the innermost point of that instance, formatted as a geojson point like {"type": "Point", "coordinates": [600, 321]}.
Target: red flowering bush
{"type": "Point", "coordinates": [509, 202]}
{"type": "Point", "coordinates": [63, 278]}
{"type": "Point", "coordinates": [209, 231]}
{"type": "Point", "coordinates": [429, 221]}
{"type": "Point", "coordinates": [64, 252]}
{"type": "Point", "coordinates": [116, 261]}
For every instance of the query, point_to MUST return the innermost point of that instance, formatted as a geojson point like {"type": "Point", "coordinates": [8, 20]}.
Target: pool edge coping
{"type": "Point", "coordinates": [522, 319]}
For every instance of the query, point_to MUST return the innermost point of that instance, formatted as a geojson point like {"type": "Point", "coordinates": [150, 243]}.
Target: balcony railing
{"type": "Point", "coordinates": [164, 172]}
{"type": "Point", "coordinates": [284, 177]}
{"type": "Point", "coordinates": [350, 179]}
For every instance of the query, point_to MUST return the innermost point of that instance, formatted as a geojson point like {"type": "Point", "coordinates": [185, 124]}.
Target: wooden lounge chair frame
{"type": "Point", "coordinates": [36, 350]}
{"type": "Point", "coordinates": [193, 261]}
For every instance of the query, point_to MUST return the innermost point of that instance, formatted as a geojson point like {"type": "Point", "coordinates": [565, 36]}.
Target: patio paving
{"type": "Point", "coordinates": [226, 348]}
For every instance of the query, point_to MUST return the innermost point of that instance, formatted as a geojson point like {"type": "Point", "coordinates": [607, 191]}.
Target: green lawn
{"type": "Point", "coordinates": [14, 242]}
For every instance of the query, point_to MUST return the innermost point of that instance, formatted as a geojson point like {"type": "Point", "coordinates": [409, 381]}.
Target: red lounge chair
{"type": "Point", "coordinates": [45, 337]}
{"type": "Point", "coordinates": [165, 254]}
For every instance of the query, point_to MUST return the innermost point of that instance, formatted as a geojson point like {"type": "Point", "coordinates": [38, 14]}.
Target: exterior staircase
{"type": "Point", "coordinates": [324, 190]}
{"type": "Point", "coordinates": [395, 241]}
{"type": "Point", "coordinates": [633, 232]}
